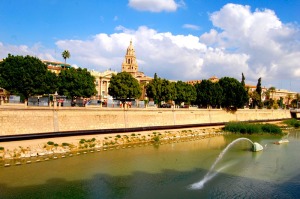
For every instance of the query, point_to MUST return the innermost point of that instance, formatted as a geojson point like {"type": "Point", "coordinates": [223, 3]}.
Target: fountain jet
{"type": "Point", "coordinates": [209, 175]}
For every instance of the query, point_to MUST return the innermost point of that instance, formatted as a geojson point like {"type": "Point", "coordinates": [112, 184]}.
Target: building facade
{"type": "Point", "coordinates": [55, 66]}
{"type": "Point", "coordinates": [102, 81]}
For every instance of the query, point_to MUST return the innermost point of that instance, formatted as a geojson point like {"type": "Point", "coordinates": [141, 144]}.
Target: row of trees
{"type": "Point", "coordinates": [28, 76]}
{"type": "Point", "coordinates": [228, 92]}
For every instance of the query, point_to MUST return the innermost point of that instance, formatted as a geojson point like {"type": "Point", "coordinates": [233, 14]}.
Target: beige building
{"type": "Point", "coordinates": [213, 79]}
{"type": "Point", "coordinates": [285, 95]}
{"type": "Point", "coordinates": [55, 66]}
{"type": "Point", "coordinates": [102, 80]}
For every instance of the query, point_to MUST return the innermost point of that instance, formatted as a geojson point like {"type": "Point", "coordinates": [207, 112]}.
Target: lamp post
{"type": "Point", "coordinates": [54, 100]}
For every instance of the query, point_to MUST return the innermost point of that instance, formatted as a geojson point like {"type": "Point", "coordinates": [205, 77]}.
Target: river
{"type": "Point", "coordinates": [165, 171]}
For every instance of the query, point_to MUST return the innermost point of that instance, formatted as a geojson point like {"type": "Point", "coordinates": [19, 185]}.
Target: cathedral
{"type": "Point", "coordinates": [130, 65]}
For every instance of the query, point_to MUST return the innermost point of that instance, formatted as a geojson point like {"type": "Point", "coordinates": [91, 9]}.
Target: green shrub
{"type": "Point", "coordinates": [271, 128]}
{"type": "Point", "coordinates": [92, 145]}
{"type": "Point", "coordinates": [82, 141]}
{"type": "Point", "coordinates": [50, 143]}
{"type": "Point", "coordinates": [65, 144]}
{"type": "Point", "coordinates": [156, 138]}
{"type": "Point", "coordinates": [247, 128]}
{"type": "Point", "coordinates": [118, 136]}
{"type": "Point", "coordinates": [292, 122]}
{"type": "Point", "coordinates": [1, 148]}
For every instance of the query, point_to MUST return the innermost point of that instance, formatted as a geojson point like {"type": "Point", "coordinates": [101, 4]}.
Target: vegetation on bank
{"type": "Point", "coordinates": [249, 128]}
{"type": "Point", "coordinates": [292, 123]}
{"type": "Point", "coordinates": [29, 76]}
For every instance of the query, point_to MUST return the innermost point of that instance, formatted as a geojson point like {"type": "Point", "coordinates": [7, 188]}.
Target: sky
{"type": "Point", "coordinates": [177, 39]}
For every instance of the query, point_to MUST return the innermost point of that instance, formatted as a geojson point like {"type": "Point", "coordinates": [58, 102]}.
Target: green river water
{"type": "Point", "coordinates": [165, 171]}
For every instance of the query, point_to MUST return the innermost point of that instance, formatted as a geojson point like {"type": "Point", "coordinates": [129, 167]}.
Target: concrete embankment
{"type": "Point", "coordinates": [30, 120]}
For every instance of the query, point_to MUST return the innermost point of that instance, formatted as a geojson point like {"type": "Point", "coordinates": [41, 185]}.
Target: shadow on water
{"type": "Point", "coordinates": [168, 184]}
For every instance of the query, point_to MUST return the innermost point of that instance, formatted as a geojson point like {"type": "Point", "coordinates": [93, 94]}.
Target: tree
{"type": "Point", "coordinates": [124, 87]}
{"type": "Point", "coordinates": [243, 80]}
{"type": "Point", "coordinates": [184, 93]}
{"type": "Point", "coordinates": [289, 97]}
{"type": "Point", "coordinates": [234, 94]}
{"type": "Point", "coordinates": [50, 84]}
{"type": "Point", "coordinates": [208, 94]}
{"type": "Point", "coordinates": [255, 99]}
{"type": "Point", "coordinates": [66, 55]}
{"type": "Point", "coordinates": [153, 89]}
{"type": "Point", "coordinates": [272, 90]}
{"type": "Point", "coordinates": [26, 76]}
{"type": "Point", "coordinates": [168, 90]}
{"type": "Point", "coordinates": [76, 83]}
{"type": "Point", "coordinates": [258, 88]}
{"type": "Point", "coordinates": [160, 90]}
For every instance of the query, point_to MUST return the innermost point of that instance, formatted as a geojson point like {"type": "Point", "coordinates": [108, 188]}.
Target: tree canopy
{"type": "Point", "coordinates": [184, 93]}
{"type": "Point", "coordinates": [233, 92]}
{"type": "Point", "coordinates": [66, 55]}
{"type": "Point", "coordinates": [243, 80]}
{"type": "Point", "coordinates": [76, 83]}
{"type": "Point", "coordinates": [208, 94]}
{"type": "Point", "coordinates": [258, 88]}
{"type": "Point", "coordinates": [26, 76]}
{"type": "Point", "coordinates": [161, 90]}
{"type": "Point", "coordinates": [123, 87]}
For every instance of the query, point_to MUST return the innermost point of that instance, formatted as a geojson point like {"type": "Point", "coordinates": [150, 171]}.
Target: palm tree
{"type": "Point", "coordinates": [66, 55]}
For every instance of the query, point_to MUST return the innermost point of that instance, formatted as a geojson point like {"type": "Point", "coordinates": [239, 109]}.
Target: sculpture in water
{"type": "Point", "coordinates": [257, 147]}
{"type": "Point", "coordinates": [210, 174]}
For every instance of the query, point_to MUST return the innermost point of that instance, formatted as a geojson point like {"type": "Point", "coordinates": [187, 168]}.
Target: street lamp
{"type": "Point", "coordinates": [54, 99]}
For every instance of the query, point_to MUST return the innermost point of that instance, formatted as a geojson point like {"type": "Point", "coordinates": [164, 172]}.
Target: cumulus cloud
{"type": "Point", "coordinates": [37, 50]}
{"type": "Point", "coordinates": [154, 5]}
{"type": "Point", "coordinates": [271, 47]}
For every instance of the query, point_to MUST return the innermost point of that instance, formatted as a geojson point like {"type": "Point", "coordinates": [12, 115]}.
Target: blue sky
{"type": "Point", "coordinates": [177, 39]}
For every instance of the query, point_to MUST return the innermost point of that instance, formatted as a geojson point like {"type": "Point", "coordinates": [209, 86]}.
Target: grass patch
{"type": "Point", "coordinates": [292, 123]}
{"type": "Point", "coordinates": [249, 128]}
{"type": "Point", "coordinates": [156, 139]}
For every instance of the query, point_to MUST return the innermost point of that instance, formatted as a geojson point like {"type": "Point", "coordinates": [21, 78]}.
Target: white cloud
{"type": "Point", "coordinates": [255, 43]}
{"type": "Point", "coordinates": [272, 47]}
{"type": "Point", "coordinates": [154, 5]}
{"type": "Point", "coordinates": [191, 26]}
{"type": "Point", "coordinates": [37, 50]}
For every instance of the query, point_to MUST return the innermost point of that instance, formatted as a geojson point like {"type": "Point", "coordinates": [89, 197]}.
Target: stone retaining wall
{"type": "Point", "coordinates": [22, 120]}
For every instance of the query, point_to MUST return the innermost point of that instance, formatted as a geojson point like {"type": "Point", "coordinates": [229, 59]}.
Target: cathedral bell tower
{"type": "Point", "coordinates": [130, 64]}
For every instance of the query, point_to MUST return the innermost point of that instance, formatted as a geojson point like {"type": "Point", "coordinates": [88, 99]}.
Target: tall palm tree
{"type": "Point", "coordinates": [66, 55]}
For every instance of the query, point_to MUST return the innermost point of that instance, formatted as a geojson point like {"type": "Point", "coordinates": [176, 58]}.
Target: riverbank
{"type": "Point", "coordinates": [29, 151]}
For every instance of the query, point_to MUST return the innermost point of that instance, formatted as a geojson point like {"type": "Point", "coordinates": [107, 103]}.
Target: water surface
{"type": "Point", "coordinates": [164, 171]}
